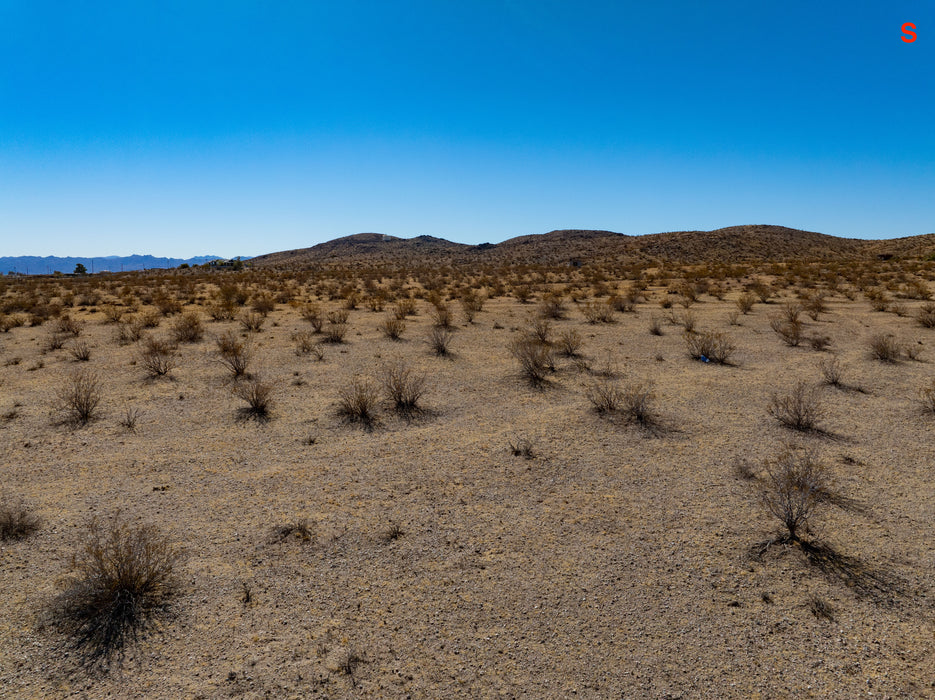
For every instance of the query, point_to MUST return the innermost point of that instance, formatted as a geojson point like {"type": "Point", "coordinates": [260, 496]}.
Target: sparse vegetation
{"type": "Point", "coordinates": [439, 340]}
{"type": "Point", "coordinates": [534, 358]}
{"type": "Point", "coordinates": [233, 354]}
{"type": "Point", "coordinates": [158, 357]}
{"type": "Point", "coordinates": [885, 348]}
{"type": "Point", "coordinates": [17, 519]}
{"type": "Point", "coordinates": [124, 579]}
{"type": "Point", "coordinates": [800, 409]}
{"type": "Point", "coordinates": [357, 403]}
{"type": "Point", "coordinates": [258, 395]}
{"type": "Point", "coordinates": [795, 484]}
{"type": "Point", "coordinates": [710, 346]}
{"type": "Point", "coordinates": [79, 396]}
{"type": "Point", "coordinates": [404, 388]}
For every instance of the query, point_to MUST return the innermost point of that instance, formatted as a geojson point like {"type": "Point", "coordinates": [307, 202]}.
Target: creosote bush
{"type": "Point", "coordinates": [714, 346]}
{"type": "Point", "coordinates": [124, 578]}
{"type": "Point", "coordinates": [569, 343]}
{"type": "Point", "coordinates": [79, 396]}
{"type": "Point", "coordinates": [832, 372]}
{"type": "Point", "coordinates": [357, 403]}
{"type": "Point", "coordinates": [188, 328]}
{"type": "Point", "coordinates": [800, 408]}
{"type": "Point", "coordinates": [404, 388]}
{"type": "Point", "coordinates": [393, 327]}
{"type": "Point", "coordinates": [534, 357]}
{"type": "Point", "coordinates": [795, 484]}
{"type": "Point", "coordinates": [258, 394]}
{"type": "Point", "coordinates": [927, 398]}
{"type": "Point", "coordinates": [233, 353]}
{"type": "Point", "coordinates": [885, 348]}
{"type": "Point", "coordinates": [252, 321]}
{"type": "Point", "coordinates": [158, 357]}
{"type": "Point", "coordinates": [17, 520]}
{"type": "Point", "coordinates": [439, 339]}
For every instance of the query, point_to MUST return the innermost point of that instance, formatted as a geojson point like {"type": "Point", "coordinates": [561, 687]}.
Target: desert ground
{"type": "Point", "coordinates": [503, 538]}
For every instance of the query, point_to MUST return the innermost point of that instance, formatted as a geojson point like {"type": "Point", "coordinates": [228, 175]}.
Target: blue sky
{"type": "Point", "coordinates": [183, 128]}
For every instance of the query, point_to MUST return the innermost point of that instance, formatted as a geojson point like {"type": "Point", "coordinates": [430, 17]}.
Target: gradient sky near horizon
{"type": "Point", "coordinates": [240, 128]}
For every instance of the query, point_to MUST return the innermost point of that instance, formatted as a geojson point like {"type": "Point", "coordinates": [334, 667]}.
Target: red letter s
{"type": "Point", "coordinates": [908, 30]}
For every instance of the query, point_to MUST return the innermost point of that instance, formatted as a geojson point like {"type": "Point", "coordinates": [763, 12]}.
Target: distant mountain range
{"type": "Point", "coordinates": [748, 244]}
{"type": "Point", "coordinates": [35, 265]}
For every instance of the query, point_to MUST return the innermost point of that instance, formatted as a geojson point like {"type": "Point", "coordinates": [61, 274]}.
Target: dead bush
{"type": "Point", "coordinates": [535, 359]}
{"type": "Point", "coordinates": [885, 348]}
{"type": "Point", "coordinates": [710, 346]}
{"type": "Point", "coordinates": [233, 353]}
{"type": "Point", "coordinates": [633, 400]}
{"type": "Point", "coordinates": [800, 408]}
{"type": "Point", "coordinates": [439, 340]}
{"type": "Point", "coordinates": [404, 388]}
{"type": "Point", "coordinates": [357, 403]}
{"type": "Point", "coordinates": [655, 325]}
{"type": "Point", "coordinates": [252, 321]}
{"type": "Point", "coordinates": [795, 484]}
{"type": "Point", "coordinates": [927, 398]}
{"type": "Point", "coordinates": [832, 372]}
{"type": "Point", "coordinates": [298, 530]}
{"type": "Point", "coordinates": [393, 327]}
{"type": "Point", "coordinates": [188, 328]}
{"type": "Point", "coordinates": [334, 333]}
{"type": "Point", "coordinates": [598, 312]}
{"type": "Point", "coordinates": [472, 303]}
{"type": "Point", "coordinates": [926, 317]}
{"type": "Point", "coordinates": [442, 316]}
{"type": "Point", "coordinates": [745, 302]}
{"type": "Point", "coordinates": [129, 330]}
{"type": "Point", "coordinates": [124, 578]}
{"type": "Point", "coordinates": [605, 396]}
{"type": "Point", "coordinates": [263, 304]}
{"type": "Point", "coordinates": [522, 447]}
{"type": "Point", "coordinates": [258, 395]}
{"type": "Point", "coordinates": [337, 317]}
{"type": "Point", "coordinates": [819, 343]}
{"type": "Point", "coordinates": [158, 357]}
{"type": "Point", "coordinates": [552, 306]}
{"type": "Point", "coordinates": [80, 351]}
{"type": "Point", "coordinates": [569, 343]}
{"type": "Point", "coordinates": [305, 342]}
{"type": "Point", "coordinates": [789, 331]}
{"type": "Point", "coordinates": [17, 520]}
{"type": "Point", "coordinates": [313, 314]}
{"type": "Point", "coordinates": [79, 396]}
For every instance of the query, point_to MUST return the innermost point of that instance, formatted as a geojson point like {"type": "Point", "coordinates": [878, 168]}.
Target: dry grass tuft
{"type": "Point", "coordinates": [258, 394]}
{"type": "Point", "coordinates": [403, 388]}
{"type": "Point", "coordinates": [357, 403]}
{"type": "Point", "coordinates": [710, 346]}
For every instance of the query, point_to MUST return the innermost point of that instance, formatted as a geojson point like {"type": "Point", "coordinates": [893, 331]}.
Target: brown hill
{"type": "Point", "coordinates": [751, 243]}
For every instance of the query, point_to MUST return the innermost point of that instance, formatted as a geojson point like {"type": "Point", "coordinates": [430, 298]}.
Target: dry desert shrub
{"type": "Point", "coordinates": [885, 348]}
{"type": "Point", "coordinates": [521, 446]}
{"type": "Point", "coordinates": [404, 388]}
{"type": "Point", "coordinates": [233, 353]}
{"type": "Point", "coordinates": [129, 330]}
{"type": "Point", "coordinates": [442, 316]}
{"type": "Point", "coordinates": [633, 400]}
{"type": "Point", "coordinates": [299, 530]}
{"type": "Point", "coordinates": [188, 328]}
{"type": "Point", "coordinates": [439, 339]}
{"type": "Point", "coordinates": [222, 310]}
{"type": "Point", "coordinates": [540, 330]}
{"type": "Point", "coordinates": [79, 396]}
{"type": "Point", "coordinates": [80, 351]}
{"type": "Point", "coordinates": [832, 372]}
{"type": "Point", "coordinates": [800, 408]}
{"type": "Point", "coordinates": [112, 314]}
{"type": "Point", "coordinates": [258, 395]}
{"type": "Point", "coordinates": [745, 302]}
{"type": "Point", "coordinates": [552, 306]}
{"type": "Point", "coordinates": [405, 307]}
{"type": "Point", "coordinates": [131, 416]}
{"type": "Point", "coordinates": [789, 331]}
{"type": "Point", "coordinates": [393, 327]}
{"type": "Point", "coordinates": [820, 343]}
{"type": "Point", "coordinates": [655, 325]}
{"type": "Point", "coordinates": [150, 319]}
{"type": "Point", "coordinates": [569, 343]}
{"type": "Point", "coordinates": [534, 357]}
{"type": "Point", "coordinates": [17, 520]}
{"type": "Point", "coordinates": [337, 317]}
{"type": "Point", "coordinates": [252, 321]}
{"type": "Point", "coordinates": [124, 578]}
{"type": "Point", "coordinates": [66, 325]}
{"type": "Point", "coordinates": [795, 483]}
{"type": "Point", "coordinates": [357, 403]}
{"type": "Point", "coordinates": [334, 333]}
{"type": "Point", "coordinates": [313, 314]}
{"type": "Point", "coordinates": [926, 317]}
{"type": "Point", "coordinates": [158, 357]}
{"type": "Point", "coordinates": [263, 304]}
{"type": "Point", "coordinates": [305, 343]}
{"type": "Point", "coordinates": [472, 303]}
{"type": "Point", "coordinates": [711, 346]}
{"type": "Point", "coordinates": [598, 312]}
{"type": "Point", "coordinates": [927, 398]}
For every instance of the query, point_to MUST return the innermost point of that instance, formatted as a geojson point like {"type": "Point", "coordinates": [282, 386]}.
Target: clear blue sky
{"type": "Point", "coordinates": [182, 128]}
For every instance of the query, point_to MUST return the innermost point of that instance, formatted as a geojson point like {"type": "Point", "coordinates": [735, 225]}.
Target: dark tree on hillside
{"type": "Point", "coordinates": [80, 269]}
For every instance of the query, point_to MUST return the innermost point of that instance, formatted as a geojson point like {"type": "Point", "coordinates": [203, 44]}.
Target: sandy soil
{"type": "Point", "coordinates": [615, 563]}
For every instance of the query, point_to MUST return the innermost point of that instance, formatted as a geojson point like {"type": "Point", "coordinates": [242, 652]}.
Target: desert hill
{"type": "Point", "coordinates": [750, 243]}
